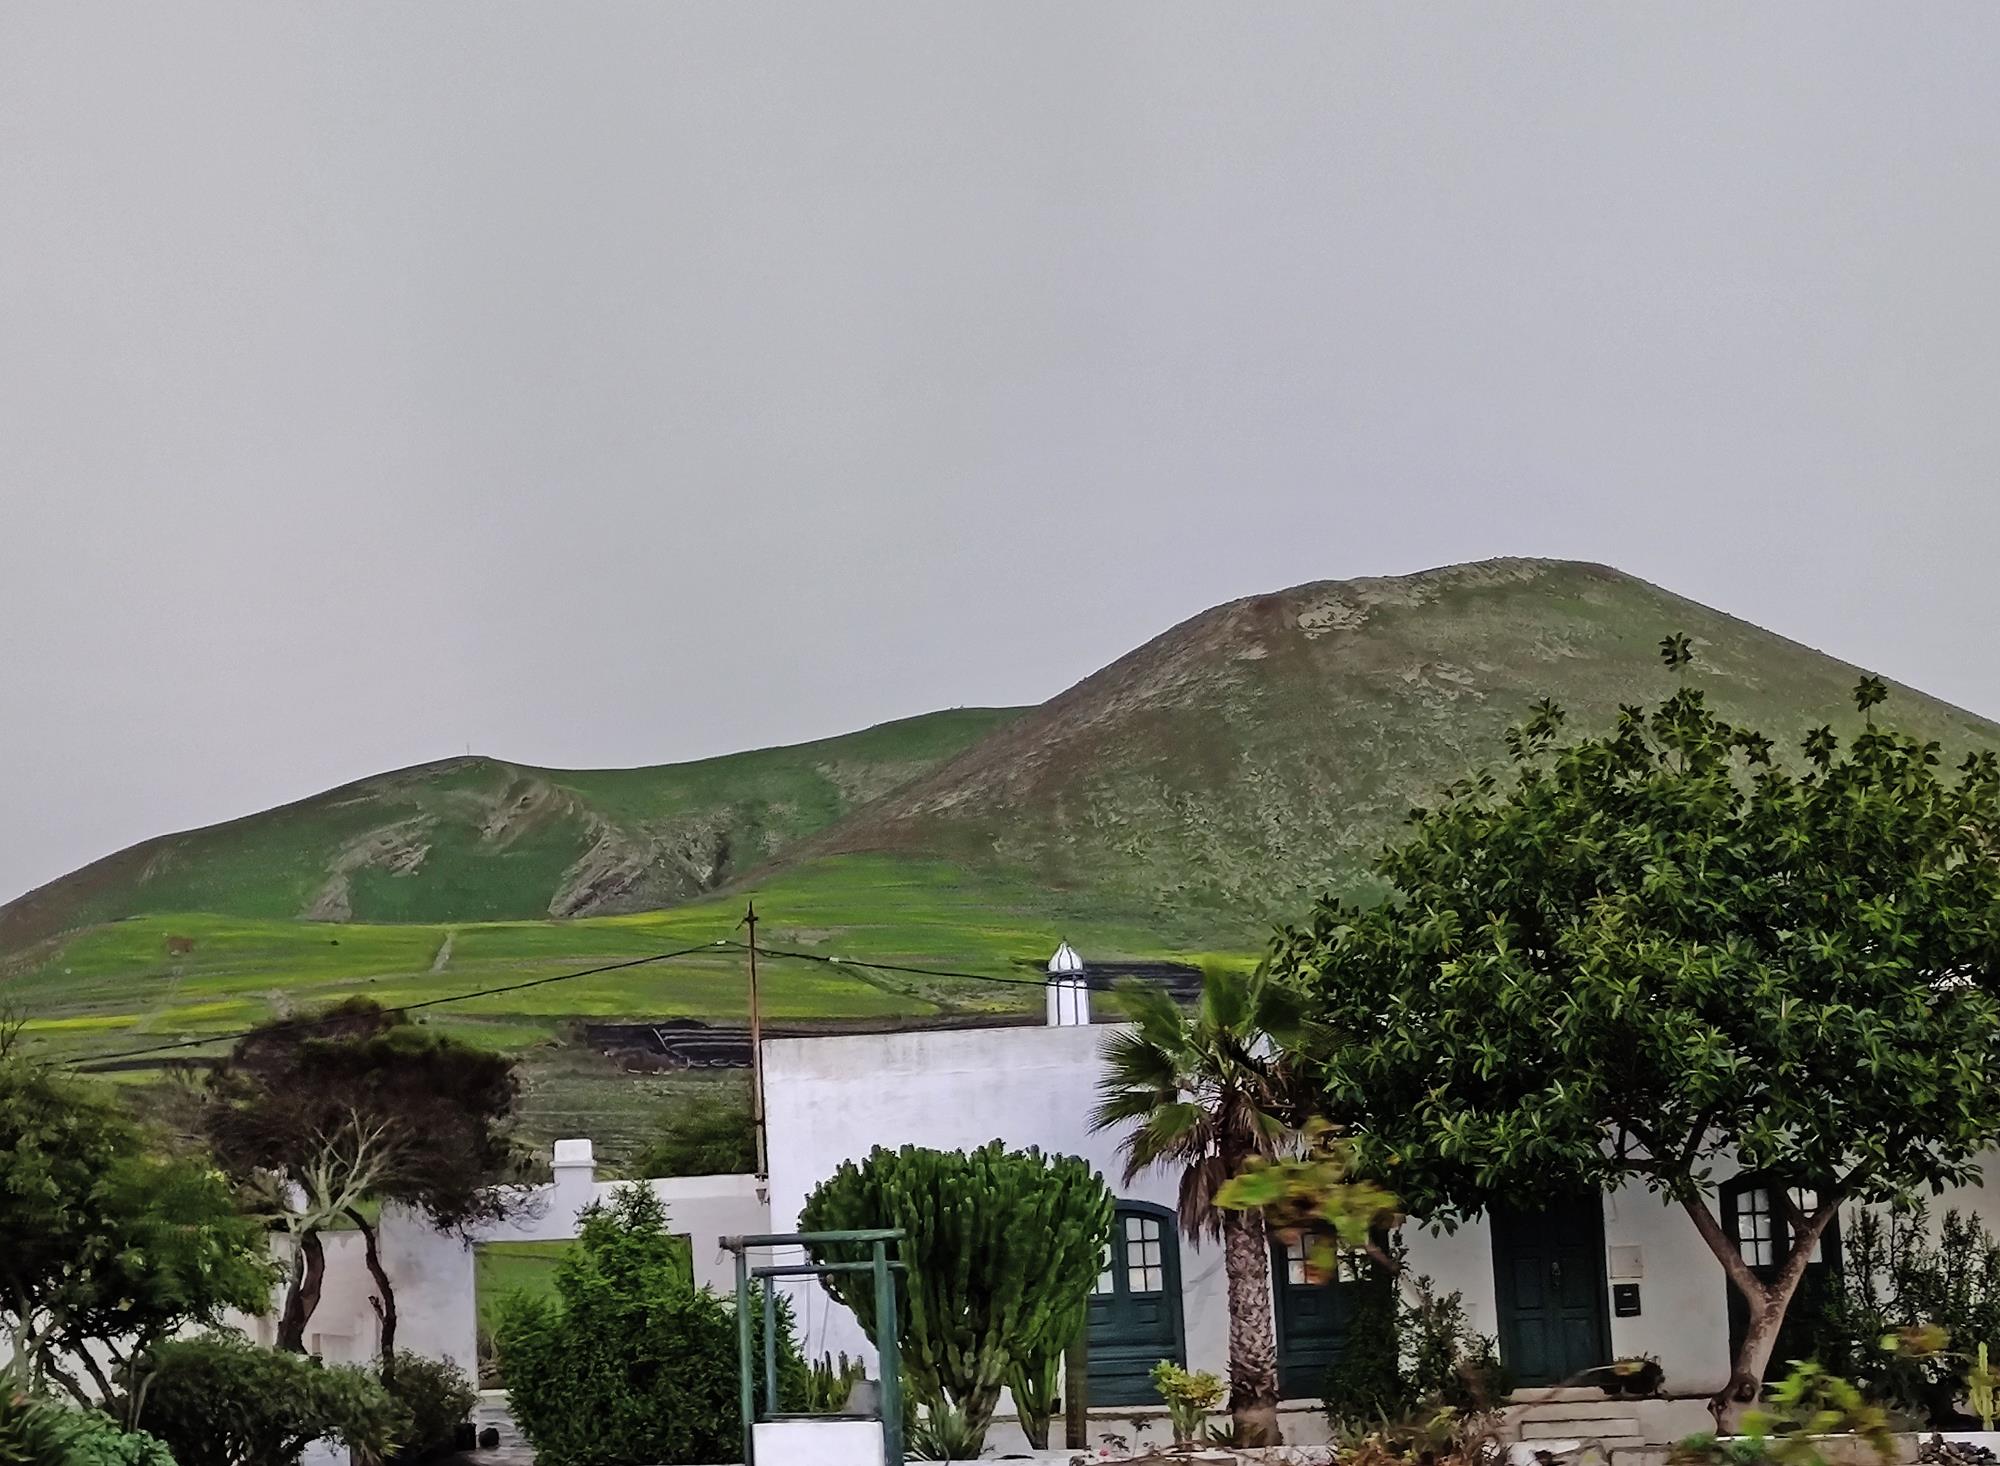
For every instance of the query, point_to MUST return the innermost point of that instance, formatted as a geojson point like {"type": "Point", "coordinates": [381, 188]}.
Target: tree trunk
{"type": "Point", "coordinates": [1076, 1392]}
{"type": "Point", "coordinates": [302, 1295]}
{"type": "Point", "coordinates": [1746, 1375]}
{"type": "Point", "coordinates": [385, 1295]}
{"type": "Point", "coordinates": [1768, 1302]}
{"type": "Point", "coordinates": [1253, 1345]}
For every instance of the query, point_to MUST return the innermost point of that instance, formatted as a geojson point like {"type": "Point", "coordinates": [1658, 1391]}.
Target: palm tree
{"type": "Point", "coordinates": [1210, 1090]}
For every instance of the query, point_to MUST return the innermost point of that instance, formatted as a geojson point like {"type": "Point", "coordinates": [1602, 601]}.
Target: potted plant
{"type": "Point", "coordinates": [1634, 1376]}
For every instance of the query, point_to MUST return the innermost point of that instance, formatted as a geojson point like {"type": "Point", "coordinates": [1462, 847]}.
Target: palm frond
{"type": "Point", "coordinates": [1225, 1001]}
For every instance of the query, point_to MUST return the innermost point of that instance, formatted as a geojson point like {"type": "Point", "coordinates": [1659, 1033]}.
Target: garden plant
{"type": "Point", "coordinates": [1002, 1250]}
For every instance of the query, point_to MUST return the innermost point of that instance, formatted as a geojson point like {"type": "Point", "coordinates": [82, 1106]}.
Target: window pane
{"type": "Point", "coordinates": [1132, 1225]}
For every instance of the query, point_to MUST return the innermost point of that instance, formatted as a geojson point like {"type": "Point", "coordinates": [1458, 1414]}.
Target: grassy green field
{"type": "Point", "coordinates": [193, 976]}
{"type": "Point", "coordinates": [163, 977]}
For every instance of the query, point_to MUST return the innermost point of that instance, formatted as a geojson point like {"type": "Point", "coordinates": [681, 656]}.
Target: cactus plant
{"type": "Point", "coordinates": [1002, 1250]}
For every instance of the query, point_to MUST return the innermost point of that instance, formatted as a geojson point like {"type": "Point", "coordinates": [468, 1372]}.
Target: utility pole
{"type": "Point", "coordinates": [756, 1046]}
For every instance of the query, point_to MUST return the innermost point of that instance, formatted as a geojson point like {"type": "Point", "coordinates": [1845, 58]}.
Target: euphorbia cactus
{"type": "Point", "coordinates": [1003, 1248]}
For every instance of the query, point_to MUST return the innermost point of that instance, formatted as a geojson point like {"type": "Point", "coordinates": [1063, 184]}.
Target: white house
{"type": "Point", "coordinates": [1572, 1286]}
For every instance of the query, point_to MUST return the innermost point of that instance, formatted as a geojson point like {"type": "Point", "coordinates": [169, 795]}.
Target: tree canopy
{"type": "Point", "coordinates": [111, 1243]}
{"type": "Point", "coordinates": [359, 1104]}
{"type": "Point", "coordinates": [1660, 952]}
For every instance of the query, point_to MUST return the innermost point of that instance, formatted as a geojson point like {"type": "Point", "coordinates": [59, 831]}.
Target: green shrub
{"type": "Point", "coordinates": [1791, 1426]}
{"type": "Point", "coordinates": [1366, 1382]}
{"type": "Point", "coordinates": [1410, 1357]}
{"type": "Point", "coordinates": [630, 1363]}
{"type": "Point", "coordinates": [944, 1433]}
{"type": "Point", "coordinates": [1190, 1398]}
{"type": "Point", "coordinates": [437, 1398]}
{"type": "Point", "coordinates": [29, 1432]}
{"type": "Point", "coordinates": [92, 1438]}
{"type": "Point", "coordinates": [43, 1433]}
{"type": "Point", "coordinates": [1900, 1276]}
{"type": "Point", "coordinates": [220, 1400]}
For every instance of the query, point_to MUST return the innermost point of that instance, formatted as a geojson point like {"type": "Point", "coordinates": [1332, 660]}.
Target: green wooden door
{"type": "Point", "coordinates": [1548, 1273]}
{"type": "Point", "coordinates": [1135, 1314]}
{"type": "Point", "coordinates": [1312, 1318]}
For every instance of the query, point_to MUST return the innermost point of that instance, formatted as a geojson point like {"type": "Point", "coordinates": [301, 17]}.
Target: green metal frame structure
{"type": "Point", "coordinates": [888, 1351]}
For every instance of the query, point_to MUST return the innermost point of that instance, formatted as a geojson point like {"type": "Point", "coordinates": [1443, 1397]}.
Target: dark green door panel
{"type": "Point", "coordinates": [1135, 1314]}
{"type": "Point", "coordinates": [1312, 1322]}
{"type": "Point", "coordinates": [1548, 1273]}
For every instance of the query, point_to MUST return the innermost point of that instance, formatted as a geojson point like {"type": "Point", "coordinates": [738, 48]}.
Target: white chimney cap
{"type": "Point", "coordinates": [573, 1153]}
{"type": "Point", "coordinates": [1065, 963]}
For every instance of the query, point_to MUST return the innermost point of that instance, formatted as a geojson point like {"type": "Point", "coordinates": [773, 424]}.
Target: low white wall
{"type": "Point", "coordinates": [818, 1443]}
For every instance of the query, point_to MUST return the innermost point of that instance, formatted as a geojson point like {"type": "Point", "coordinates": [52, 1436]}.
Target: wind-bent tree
{"type": "Point", "coordinates": [1206, 1094]}
{"type": "Point", "coordinates": [1002, 1249]}
{"type": "Point", "coordinates": [360, 1105]}
{"type": "Point", "coordinates": [1656, 953]}
{"type": "Point", "coordinates": [106, 1245]}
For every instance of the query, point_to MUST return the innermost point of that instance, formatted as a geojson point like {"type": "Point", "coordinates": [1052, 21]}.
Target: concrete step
{"type": "Point", "coordinates": [491, 1410]}
{"type": "Point", "coordinates": [1596, 1446]}
{"type": "Point", "coordinates": [1590, 1430]}
{"type": "Point", "coordinates": [1594, 1409]}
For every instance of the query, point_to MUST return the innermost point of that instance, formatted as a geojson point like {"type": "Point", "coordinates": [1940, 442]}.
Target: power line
{"type": "Point", "coordinates": [1100, 984]}
{"type": "Point", "coordinates": [720, 944]}
{"type": "Point", "coordinates": [290, 1025]}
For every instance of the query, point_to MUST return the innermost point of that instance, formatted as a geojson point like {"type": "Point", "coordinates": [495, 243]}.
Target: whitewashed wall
{"type": "Point", "coordinates": [833, 1099]}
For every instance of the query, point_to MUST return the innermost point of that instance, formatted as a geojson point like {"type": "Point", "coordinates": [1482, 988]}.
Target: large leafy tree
{"type": "Point", "coordinates": [1657, 952]}
{"type": "Point", "coordinates": [1001, 1249]}
{"type": "Point", "coordinates": [110, 1242]}
{"type": "Point", "coordinates": [1208, 1093]}
{"type": "Point", "coordinates": [331, 1115]}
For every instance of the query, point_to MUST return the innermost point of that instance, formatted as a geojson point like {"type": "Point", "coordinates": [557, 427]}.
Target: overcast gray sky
{"type": "Point", "coordinates": [597, 384]}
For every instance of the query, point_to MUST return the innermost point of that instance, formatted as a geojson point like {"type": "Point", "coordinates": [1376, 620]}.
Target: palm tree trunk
{"type": "Point", "coordinates": [1253, 1344]}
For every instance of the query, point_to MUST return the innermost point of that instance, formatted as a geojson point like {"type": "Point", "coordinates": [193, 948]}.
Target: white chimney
{"type": "Point", "coordinates": [1069, 993]}
{"type": "Point", "coordinates": [574, 1168]}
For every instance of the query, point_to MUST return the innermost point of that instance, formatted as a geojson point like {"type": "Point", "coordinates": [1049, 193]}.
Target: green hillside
{"type": "Point", "coordinates": [1172, 806]}
{"type": "Point", "coordinates": [475, 839]}
{"type": "Point", "coordinates": [1218, 777]}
